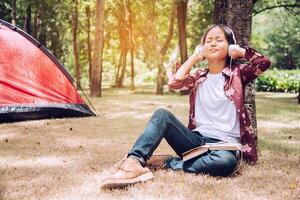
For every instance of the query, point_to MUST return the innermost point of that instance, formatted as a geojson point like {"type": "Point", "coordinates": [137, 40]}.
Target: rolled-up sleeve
{"type": "Point", "coordinates": [186, 83]}
{"type": "Point", "coordinates": [258, 64]}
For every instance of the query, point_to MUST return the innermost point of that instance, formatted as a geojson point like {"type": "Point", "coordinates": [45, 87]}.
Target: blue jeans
{"type": "Point", "coordinates": [164, 124]}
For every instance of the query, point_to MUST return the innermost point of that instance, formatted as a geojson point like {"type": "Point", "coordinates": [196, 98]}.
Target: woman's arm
{"type": "Point", "coordinates": [258, 63]}
{"type": "Point", "coordinates": [181, 78]}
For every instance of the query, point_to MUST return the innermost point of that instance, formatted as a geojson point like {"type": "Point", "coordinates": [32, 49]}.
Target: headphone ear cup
{"type": "Point", "coordinates": [231, 48]}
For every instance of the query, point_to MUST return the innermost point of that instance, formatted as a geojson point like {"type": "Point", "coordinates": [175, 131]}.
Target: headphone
{"type": "Point", "coordinates": [231, 47]}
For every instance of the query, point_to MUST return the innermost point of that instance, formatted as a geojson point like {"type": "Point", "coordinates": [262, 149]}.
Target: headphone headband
{"type": "Point", "coordinates": [233, 36]}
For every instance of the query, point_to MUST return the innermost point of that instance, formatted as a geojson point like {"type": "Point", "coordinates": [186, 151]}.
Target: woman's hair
{"type": "Point", "coordinates": [229, 35]}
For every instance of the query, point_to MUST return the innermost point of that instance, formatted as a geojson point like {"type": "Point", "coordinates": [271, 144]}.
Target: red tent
{"type": "Point", "coordinates": [33, 84]}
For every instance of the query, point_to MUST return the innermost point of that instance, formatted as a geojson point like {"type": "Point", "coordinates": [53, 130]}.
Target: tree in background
{"type": "Point", "coordinates": [200, 16]}
{"type": "Point", "coordinates": [96, 72]}
{"type": "Point", "coordinates": [13, 12]}
{"type": "Point", "coordinates": [284, 43]}
{"type": "Point", "coordinates": [124, 37]}
{"type": "Point", "coordinates": [75, 42]}
{"type": "Point", "coordinates": [181, 19]}
{"type": "Point", "coordinates": [27, 23]}
{"type": "Point", "coordinates": [161, 70]}
{"type": "Point", "coordinates": [237, 14]}
{"type": "Point", "coordinates": [161, 49]}
{"type": "Point", "coordinates": [129, 15]}
{"type": "Point", "coordinates": [89, 46]}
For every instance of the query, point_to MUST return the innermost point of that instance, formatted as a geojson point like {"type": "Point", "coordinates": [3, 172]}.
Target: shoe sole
{"type": "Point", "coordinates": [123, 183]}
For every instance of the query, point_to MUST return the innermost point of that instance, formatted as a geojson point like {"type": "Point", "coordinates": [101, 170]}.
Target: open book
{"type": "Point", "coordinates": [210, 146]}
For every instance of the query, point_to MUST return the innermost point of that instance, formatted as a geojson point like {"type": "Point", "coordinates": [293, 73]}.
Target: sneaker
{"type": "Point", "coordinates": [127, 172]}
{"type": "Point", "coordinates": [158, 161]}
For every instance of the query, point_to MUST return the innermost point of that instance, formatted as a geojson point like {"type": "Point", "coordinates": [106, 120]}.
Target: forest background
{"type": "Point", "coordinates": [129, 43]}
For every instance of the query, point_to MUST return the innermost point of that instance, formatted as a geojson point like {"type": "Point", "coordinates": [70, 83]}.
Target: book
{"type": "Point", "coordinates": [197, 151]}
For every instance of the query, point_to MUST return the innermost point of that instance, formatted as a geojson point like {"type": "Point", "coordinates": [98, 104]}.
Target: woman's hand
{"type": "Point", "coordinates": [235, 51]}
{"type": "Point", "coordinates": [197, 56]}
{"type": "Point", "coordinates": [199, 52]}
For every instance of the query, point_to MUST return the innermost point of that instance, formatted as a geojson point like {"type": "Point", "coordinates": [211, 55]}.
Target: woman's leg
{"type": "Point", "coordinates": [215, 163]}
{"type": "Point", "coordinates": [164, 124]}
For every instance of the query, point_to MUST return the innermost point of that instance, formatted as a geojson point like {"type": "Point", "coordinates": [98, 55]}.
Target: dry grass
{"type": "Point", "coordinates": [66, 159]}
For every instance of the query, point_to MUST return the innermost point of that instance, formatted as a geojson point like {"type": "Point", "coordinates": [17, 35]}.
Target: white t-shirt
{"type": "Point", "coordinates": [216, 116]}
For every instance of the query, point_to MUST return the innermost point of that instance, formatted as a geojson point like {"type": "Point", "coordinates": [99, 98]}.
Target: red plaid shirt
{"type": "Point", "coordinates": [234, 90]}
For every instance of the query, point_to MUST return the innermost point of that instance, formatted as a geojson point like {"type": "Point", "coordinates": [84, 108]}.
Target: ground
{"type": "Point", "coordinates": [67, 158]}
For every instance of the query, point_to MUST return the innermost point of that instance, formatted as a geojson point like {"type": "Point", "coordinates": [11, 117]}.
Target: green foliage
{"type": "Point", "coordinates": [199, 17]}
{"type": "Point", "coordinates": [5, 10]}
{"type": "Point", "coordinates": [276, 33]}
{"type": "Point", "coordinates": [279, 81]}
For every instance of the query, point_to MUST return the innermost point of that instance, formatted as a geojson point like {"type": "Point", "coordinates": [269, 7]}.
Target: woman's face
{"type": "Point", "coordinates": [215, 45]}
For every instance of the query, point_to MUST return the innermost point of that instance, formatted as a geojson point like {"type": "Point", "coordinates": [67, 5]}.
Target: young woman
{"type": "Point", "coordinates": [217, 113]}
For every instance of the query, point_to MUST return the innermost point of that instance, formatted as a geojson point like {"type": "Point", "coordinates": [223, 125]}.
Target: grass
{"type": "Point", "coordinates": [67, 158]}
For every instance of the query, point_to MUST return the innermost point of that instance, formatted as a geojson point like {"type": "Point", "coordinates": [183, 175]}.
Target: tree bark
{"type": "Point", "coordinates": [37, 22]}
{"type": "Point", "coordinates": [27, 23]}
{"type": "Point", "coordinates": [13, 12]}
{"type": "Point", "coordinates": [237, 14]}
{"type": "Point", "coordinates": [88, 25]}
{"type": "Point", "coordinates": [96, 75]}
{"type": "Point", "coordinates": [75, 43]}
{"type": "Point", "coordinates": [181, 19]}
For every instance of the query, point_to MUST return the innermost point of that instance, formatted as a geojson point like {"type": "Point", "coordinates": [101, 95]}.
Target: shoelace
{"type": "Point", "coordinates": [119, 163]}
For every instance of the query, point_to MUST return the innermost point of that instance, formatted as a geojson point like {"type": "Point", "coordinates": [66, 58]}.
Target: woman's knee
{"type": "Point", "coordinates": [161, 112]}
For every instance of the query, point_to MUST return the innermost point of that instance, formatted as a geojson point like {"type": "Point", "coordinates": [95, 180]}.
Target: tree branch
{"type": "Point", "coordinates": [287, 6]}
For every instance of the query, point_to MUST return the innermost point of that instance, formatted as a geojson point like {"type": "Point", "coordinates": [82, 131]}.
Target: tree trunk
{"type": "Point", "coordinates": [88, 24]}
{"type": "Point", "coordinates": [27, 23]}
{"type": "Point", "coordinates": [42, 37]}
{"type": "Point", "coordinates": [131, 43]}
{"type": "Point", "coordinates": [181, 19]}
{"type": "Point", "coordinates": [237, 14]}
{"type": "Point", "coordinates": [96, 75]}
{"type": "Point", "coordinates": [13, 12]}
{"type": "Point", "coordinates": [160, 76]}
{"type": "Point", "coordinates": [290, 61]}
{"type": "Point", "coordinates": [125, 41]}
{"type": "Point", "coordinates": [37, 22]}
{"type": "Point", "coordinates": [118, 70]}
{"type": "Point", "coordinates": [75, 43]}
{"type": "Point", "coordinates": [299, 95]}
{"type": "Point", "coordinates": [122, 68]}
{"type": "Point", "coordinates": [161, 70]}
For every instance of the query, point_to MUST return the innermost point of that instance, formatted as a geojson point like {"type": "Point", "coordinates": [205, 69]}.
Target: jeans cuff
{"type": "Point", "coordinates": [141, 160]}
